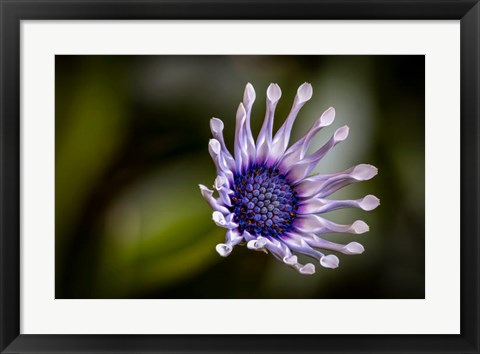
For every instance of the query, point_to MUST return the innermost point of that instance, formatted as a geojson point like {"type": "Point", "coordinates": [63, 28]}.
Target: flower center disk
{"type": "Point", "coordinates": [264, 202]}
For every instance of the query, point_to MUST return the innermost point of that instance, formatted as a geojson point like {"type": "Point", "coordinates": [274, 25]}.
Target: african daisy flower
{"type": "Point", "coordinates": [266, 197]}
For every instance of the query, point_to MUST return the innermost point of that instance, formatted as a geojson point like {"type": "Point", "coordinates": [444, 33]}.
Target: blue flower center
{"type": "Point", "coordinates": [264, 201]}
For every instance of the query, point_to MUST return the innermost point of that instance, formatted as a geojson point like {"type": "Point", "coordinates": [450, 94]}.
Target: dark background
{"type": "Point", "coordinates": [131, 148]}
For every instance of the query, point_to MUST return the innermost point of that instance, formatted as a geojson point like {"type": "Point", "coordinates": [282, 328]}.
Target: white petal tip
{"type": "Point", "coordinates": [353, 248]}
{"type": "Point", "coordinates": [304, 92]}
{"type": "Point", "coordinates": [226, 222]}
{"type": "Point", "coordinates": [330, 261]}
{"type": "Point", "coordinates": [241, 113]}
{"type": "Point", "coordinates": [359, 227]}
{"type": "Point", "coordinates": [249, 94]}
{"type": "Point", "coordinates": [341, 133]}
{"type": "Point", "coordinates": [291, 260]}
{"type": "Point", "coordinates": [327, 117]}
{"type": "Point", "coordinates": [307, 269]}
{"type": "Point", "coordinates": [216, 125]}
{"type": "Point", "coordinates": [205, 191]}
{"type": "Point", "coordinates": [218, 218]}
{"type": "Point", "coordinates": [364, 172]}
{"type": "Point", "coordinates": [274, 93]}
{"type": "Point", "coordinates": [370, 202]}
{"type": "Point", "coordinates": [223, 249]}
{"type": "Point", "coordinates": [257, 244]}
{"type": "Point", "coordinates": [220, 181]}
{"type": "Point", "coordinates": [214, 144]}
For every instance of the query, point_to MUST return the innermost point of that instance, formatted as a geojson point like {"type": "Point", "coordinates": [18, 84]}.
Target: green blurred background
{"type": "Point", "coordinates": [131, 148]}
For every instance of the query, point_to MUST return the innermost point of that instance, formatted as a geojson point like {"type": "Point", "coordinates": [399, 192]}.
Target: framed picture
{"type": "Point", "coordinates": [239, 176]}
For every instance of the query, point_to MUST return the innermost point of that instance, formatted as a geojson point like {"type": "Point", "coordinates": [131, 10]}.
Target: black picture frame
{"type": "Point", "coordinates": [12, 12]}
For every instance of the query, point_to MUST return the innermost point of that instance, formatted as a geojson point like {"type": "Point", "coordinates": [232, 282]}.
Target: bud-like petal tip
{"type": "Point", "coordinates": [370, 202]}
{"type": "Point", "coordinates": [364, 172]}
{"type": "Point", "coordinates": [354, 248]}
{"type": "Point", "coordinates": [341, 133]}
{"type": "Point", "coordinates": [274, 93]}
{"type": "Point", "coordinates": [327, 117]}
{"type": "Point", "coordinates": [290, 260]}
{"type": "Point", "coordinates": [304, 92]}
{"type": "Point", "coordinates": [360, 227]}
{"type": "Point", "coordinates": [216, 125]}
{"type": "Point", "coordinates": [249, 94]}
{"type": "Point", "coordinates": [223, 249]}
{"type": "Point", "coordinates": [214, 145]}
{"type": "Point", "coordinates": [307, 269]}
{"type": "Point", "coordinates": [330, 261]}
{"type": "Point", "coordinates": [241, 113]}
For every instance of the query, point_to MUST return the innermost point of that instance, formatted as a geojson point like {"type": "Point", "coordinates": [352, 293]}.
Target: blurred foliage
{"type": "Point", "coordinates": [131, 149]}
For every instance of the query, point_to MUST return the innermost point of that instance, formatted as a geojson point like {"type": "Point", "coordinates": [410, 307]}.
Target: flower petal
{"type": "Point", "coordinates": [330, 261]}
{"type": "Point", "coordinates": [264, 140]}
{"type": "Point", "coordinates": [307, 269]}
{"type": "Point", "coordinates": [222, 221]}
{"type": "Point", "coordinates": [216, 127]}
{"type": "Point", "coordinates": [302, 168]}
{"type": "Point", "coordinates": [232, 238]}
{"type": "Point", "coordinates": [369, 202]}
{"type": "Point", "coordinates": [313, 240]}
{"type": "Point", "coordinates": [247, 236]}
{"type": "Point", "coordinates": [298, 150]}
{"type": "Point", "coordinates": [297, 243]}
{"type": "Point", "coordinates": [249, 96]}
{"type": "Point", "coordinates": [290, 260]}
{"type": "Point", "coordinates": [318, 242]}
{"type": "Point", "coordinates": [353, 248]}
{"type": "Point", "coordinates": [248, 99]}
{"type": "Point", "coordinates": [218, 158]}
{"type": "Point", "coordinates": [223, 249]}
{"type": "Point", "coordinates": [362, 173]}
{"type": "Point", "coordinates": [282, 252]}
{"type": "Point", "coordinates": [207, 194]}
{"type": "Point", "coordinates": [304, 243]}
{"type": "Point", "coordinates": [324, 185]}
{"type": "Point", "coordinates": [240, 149]}
{"type": "Point", "coordinates": [257, 244]}
{"type": "Point", "coordinates": [282, 137]}
{"type": "Point", "coordinates": [315, 224]}
{"type": "Point", "coordinates": [221, 184]}
{"type": "Point", "coordinates": [319, 206]}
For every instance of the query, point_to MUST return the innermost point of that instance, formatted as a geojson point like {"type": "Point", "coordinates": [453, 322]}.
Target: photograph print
{"type": "Point", "coordinates": [240, 177]}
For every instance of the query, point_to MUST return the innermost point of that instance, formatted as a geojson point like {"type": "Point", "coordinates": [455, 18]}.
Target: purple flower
{"type": "Point", "coordinates": [266, 196]}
